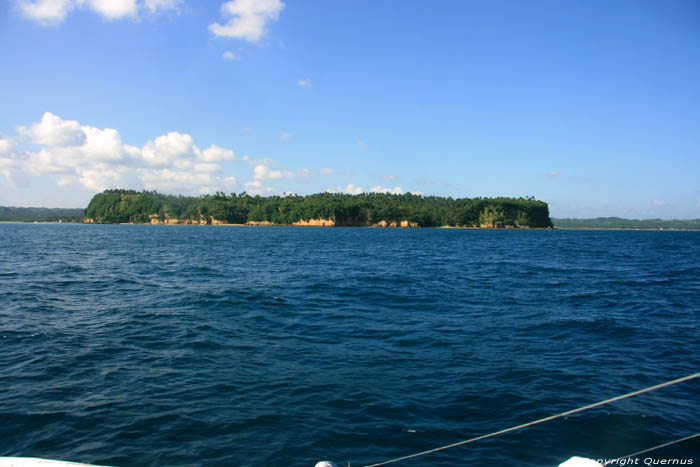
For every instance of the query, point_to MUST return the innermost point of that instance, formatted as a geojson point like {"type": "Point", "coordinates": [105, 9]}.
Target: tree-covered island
{"type": "Point", "coordinates": [324, 209]}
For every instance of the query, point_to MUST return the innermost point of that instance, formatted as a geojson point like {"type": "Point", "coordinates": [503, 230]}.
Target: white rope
{"type": "Point", "coordinates": [541, 420]}
{"type": "Point", "coordinates": [652, 449]}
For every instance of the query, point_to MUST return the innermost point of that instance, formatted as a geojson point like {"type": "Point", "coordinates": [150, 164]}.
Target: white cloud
{"type": "Point", "coordinates": [104, 145]}
{"type": "Point", "coordinates": [174, 181]}
{"type": "Point", "coordinates": [351, 189]}
{"type": "Point", "coordinates": [263, 172]}
{"type": "Point", "coordinates": [154, 6]}
{"type": "Point", "coordinates": [95, 159]}
{"type": "Point", "coordinates": [52, 131]}
{"type": "Point", "coordinates": [216, 154]}
{"type": "Point", "coordinates": [361, 143]}
{"type": "Point", "coordinates": [206, 167]}
{"type": "Point", "coordinates": [248, 18]}
{"type": "Point", "coordinates": [45, 11]}
{"type": "Point", "coordinates": [304, 83]}
{"type": "Point", "coordinates": [166, 149]}
{"type": "Point", "coordinates": [112, 9]}
{"type": "Point", "coordinates": [286, 135]}
{"type": "Point", "coordinates": [255, 187]}
{"type": "Point", "coordinates": [228, 55]}
{"type": "Point", "coordinates": [11, 171]}
{"type": "Point", "coordinates": [11, 164]}
{"type": "Point", "coordinates": [48, 12]}
{"type": "Point", "coordinates": [98, 159]}
{"type": "Point", "coordinates": [397, 190]}
{"type": "Point", "coordinates": [6, 145]}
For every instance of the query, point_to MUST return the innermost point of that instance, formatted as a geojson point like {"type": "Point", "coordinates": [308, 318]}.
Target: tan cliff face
{"type": "Point", "coordinates": [205, 221]}
{"type": "Point", "coordinates": [315, 223]}
{"type": "Point", "coordinates": [299, 223]}
{"type": "Point", "coordinates": [166, 220]}
{"type": "Point", "coordinates": [404, 224]}
{"type": "Point", "coordinates": [259, 223]}
{"type": "Point", "coordinates": [497, 225]}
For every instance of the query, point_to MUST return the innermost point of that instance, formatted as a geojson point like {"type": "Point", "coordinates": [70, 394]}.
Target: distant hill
{"type": "Point", "coordinates": [619, 223]}
{"type": "Point", "coordinates": [11, 214]}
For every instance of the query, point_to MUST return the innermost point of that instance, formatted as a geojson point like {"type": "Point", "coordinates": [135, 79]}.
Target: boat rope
{"type": "Point", "coordinates": [612, 461]}
{"type": "Point", "coordinates": [541, 420]}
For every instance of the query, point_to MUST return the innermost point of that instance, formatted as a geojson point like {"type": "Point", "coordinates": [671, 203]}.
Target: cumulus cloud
{"type": "Point", "coordinates": [304, 83]}
{"type": "Point", "coordinates": [172, 181]}
{"type": "Point", "coordinates": [216, 154]}
{"type": "Point", "coordinates": [112, 9]}
{"type": "Point", "coordinates": [6, 145]}
{"type": "Point", "coordinates": [264, 172]}
{"type": "Point", "coordinates": [75, 155]}
{"type": "Point", "coordinates": [105, 145]}
{"type": "Point", "coordinates": [247, 19]}
{"type": "Point", "coordinates": [168, 149]}
{"type": "Point", "coordinates": [45, 11]}
{"type": "Point", "coordinates": [11, 163]}
{"type": "Point", "coordinates": [51, 12]}
{"type": "Point", "coordinates": [351, 189]}
{"type": "Point", "coordinates": [52, 131]}
{"type": "Point", "coordinates": [96, 158]}
{"type": "Point", "coordinates": [397, 190]}
{"type": "Point", "coordinates": [255, 187]}
{"type": "Point", "coordinates": [228, 55]}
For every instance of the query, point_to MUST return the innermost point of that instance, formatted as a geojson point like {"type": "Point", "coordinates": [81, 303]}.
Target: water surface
{"type": "Point", "coordinates": [182, 345]}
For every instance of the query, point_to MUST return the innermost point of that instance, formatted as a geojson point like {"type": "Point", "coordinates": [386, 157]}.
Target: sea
{"type": "Point", "coordinates": [139, 345]}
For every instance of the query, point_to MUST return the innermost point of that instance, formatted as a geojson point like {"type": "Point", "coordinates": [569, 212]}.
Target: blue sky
{"type": "Point", "coordinates": [592, 106]}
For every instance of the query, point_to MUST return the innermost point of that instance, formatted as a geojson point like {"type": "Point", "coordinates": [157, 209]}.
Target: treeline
{"type": "Point", "coordinates": [128, 206]}
{"type": "Point", "coordinates": [619, 223]}
{"type": "Point", "coordinates": [12, 214]}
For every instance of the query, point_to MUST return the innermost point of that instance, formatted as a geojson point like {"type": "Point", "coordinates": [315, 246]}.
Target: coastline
{"type": "Point", "coordinates": [373, 226]}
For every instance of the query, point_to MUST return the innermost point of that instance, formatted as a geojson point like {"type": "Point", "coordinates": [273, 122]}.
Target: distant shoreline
{"type": "Point", "coordinates": [617, 223]}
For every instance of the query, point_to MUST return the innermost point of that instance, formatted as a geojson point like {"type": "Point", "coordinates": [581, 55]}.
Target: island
{"type": "Point", "coordinates": [322, 209]}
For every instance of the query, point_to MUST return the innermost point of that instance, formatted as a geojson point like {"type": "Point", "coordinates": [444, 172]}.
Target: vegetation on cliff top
{"type": "Point", "coordinates": [122, 206]}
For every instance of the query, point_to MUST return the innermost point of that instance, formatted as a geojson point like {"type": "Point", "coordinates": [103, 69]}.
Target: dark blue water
{"type": "Point", "coordinates": [177, 345]}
